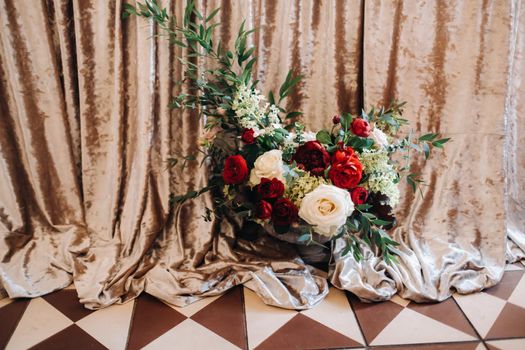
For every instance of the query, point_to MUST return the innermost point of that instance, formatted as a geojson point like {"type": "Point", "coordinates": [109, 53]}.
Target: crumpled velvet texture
{"type": "Point", "coordinates": [85, 132]}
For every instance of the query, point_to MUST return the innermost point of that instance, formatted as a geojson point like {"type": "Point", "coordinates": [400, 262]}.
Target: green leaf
{"type": "Point", "coordinates": [212, 14]}
{"type": "Point", "coordinates": [426, 149]}
{"type": "Point", "coordinates": [304, 237]}
{"type": "Point", "coordinates": [380, 222]}
{"type": "Point", "coordinates": [324, 137]}
{"type": "Point", "coordinates": [428, 137]}
{"type": "Point", "coordinates": [293, 115]}
{"type": "Point", "coordinates": [440, 143]}
{"type": "Point", "coordinates": [363, 207]}
{"type": "Point", "coordinates": [271, 98]}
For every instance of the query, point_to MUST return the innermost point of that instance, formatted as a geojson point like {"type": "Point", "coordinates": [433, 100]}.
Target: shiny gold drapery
{"type": "Point", "coordinates": [85, 131]}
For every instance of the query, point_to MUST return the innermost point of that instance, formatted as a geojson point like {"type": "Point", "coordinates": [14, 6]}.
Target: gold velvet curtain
{"type": "Point", "coordinates": [85, 132]}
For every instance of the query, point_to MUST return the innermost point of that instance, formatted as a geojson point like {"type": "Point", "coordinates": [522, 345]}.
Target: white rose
{"type": "Point", "coordinates": [379, 137]}
{"type": "Point", "coordinates": [269, 165]}
{"type": "Point", "coordinates": [326, 208]}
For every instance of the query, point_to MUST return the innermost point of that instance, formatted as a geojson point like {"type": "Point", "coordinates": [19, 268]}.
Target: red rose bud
{"type": "Point", "coordinates": [247, 136]}
{"type": "Point", "coordinates": [235, 170]}
{"type": "Point", "coordinates": [360, 127]}
{"type": "Point", "coordinates": [284, 212]}
{"type": "Point", "coordinates": [343, 155]}
{"type": "Point", "coordinates": [346, 174]}
{"type": "Point", "coordinates": [359, 195]}
{"type": "Point", "coordinates": [270, 189]}
{"type": "Point", "coordinates": [336, 119]}
{"type": "Point", "coordinates": [313, 157]}
{"type": "Point", "coordinates": [263, 210]}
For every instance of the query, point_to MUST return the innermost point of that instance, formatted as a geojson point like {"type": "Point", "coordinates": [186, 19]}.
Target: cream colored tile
{"type": "Point", "coordinates": [335, 312]}
{"type": "Point", "coordinates": [195, 307]}
{"type": "Point", "coordinates": [482, 310]}
{"type": "Point", "coordinates": [410, 327]}
{"type": "Point", "coordinates": [110, 326]}
{"type": "Point", "coordinates": [191, 336]}
{"type": "Point", "coordinates": [400, 301]}
{"type": "Point", "coordinates": [40, 321]}
{"type": "Point", "coordinates": [5, 301]}
{"type": "Point", "coordinates": [262, 320]}
{"type": "Point", "coordinates": [508, 344]}
{"type": "Point", "coordinates": [518, 295]}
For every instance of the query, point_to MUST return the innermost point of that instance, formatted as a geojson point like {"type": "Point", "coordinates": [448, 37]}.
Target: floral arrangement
{"type": "Point", "coordinates": [267, 169]}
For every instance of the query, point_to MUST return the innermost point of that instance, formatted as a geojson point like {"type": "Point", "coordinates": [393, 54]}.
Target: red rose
{"type": "Point", "coordinates": [336, 119]}
{"type": "Point", "coordinates": [284, 212]}
{"type": "Point", "coordinates": [247, 136]}
{"type": "Point", "coordinates": [313, 157]}
{"type": "Point", "coordinates": [270, 189]}
{"type": "Point", "coordinates": [360, 127]}
{"type": "Point", "coordinates": [263, 210]}
{"type": "Point", "coordinates": [346, 174]}
{"type": "Point", "coordinates": [359, 195]}
{"type": "Point", "coordinates": [235, 170]}
{"type": "Point", "coordinates": [343, 155]}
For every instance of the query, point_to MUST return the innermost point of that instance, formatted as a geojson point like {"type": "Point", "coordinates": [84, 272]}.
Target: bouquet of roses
{"type": "Point", "coordinates": [267, 170]}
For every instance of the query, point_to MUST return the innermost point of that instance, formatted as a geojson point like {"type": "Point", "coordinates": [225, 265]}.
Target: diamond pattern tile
{"type": "Point", "coordinates": [492, 319]}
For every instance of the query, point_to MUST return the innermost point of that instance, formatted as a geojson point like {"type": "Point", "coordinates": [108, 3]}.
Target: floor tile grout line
{"type": "Point", "coordinates": [19, 319]}
{"type": "Point", "coordinates": [469, 321]}
{"type": "Point", "coordinates": [497, 339]}
{"type": "Point", "coordinates": [244, 317]}
{"type": "Point", "coordinates": [357, 319]}
{"type": "Point", "coordinates": [426, 344]}
{"type": "Point", "coordinates": [131, 322]}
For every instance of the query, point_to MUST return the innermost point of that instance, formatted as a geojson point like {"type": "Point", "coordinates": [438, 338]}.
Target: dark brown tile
{"type": "Point", "coordinates": [507, 284]}
{"type": "Point", "coordinates": [225, 316]}
{"type": "Point", "coordinates": [509, 324]}
{"type": "Point", "coordinates": [302, 332]}
{"type": "Point", "coordinates": [440, 346]}
{"type": "Point", "coordinates": [10, 315]}
{"type": "Point", "coordinates": [151, 319]}
{"type": "Point", "coordinates": [374, 317]}
{"type": "Point", "coordinates": [447, 312]}
{"type": "Point", "coordinates": [66, 301]}
{"type": "Point", "coordinates": [73, 337]}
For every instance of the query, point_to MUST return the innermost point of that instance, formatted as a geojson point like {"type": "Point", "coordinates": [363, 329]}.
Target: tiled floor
{"type": "Point", "coordinates": [494, 319]}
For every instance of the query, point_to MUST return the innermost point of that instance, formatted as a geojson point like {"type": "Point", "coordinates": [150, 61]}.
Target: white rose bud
{"type": "Point", "coordinates": [379, 137]}
{"type": "Point", "coordinates": [268, 165]}
{"type": "Point", "coordinates": [326, 208]}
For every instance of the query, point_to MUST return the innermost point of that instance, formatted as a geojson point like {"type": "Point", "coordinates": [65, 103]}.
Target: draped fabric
{"type": "Point", "coordinates": [85, 132]}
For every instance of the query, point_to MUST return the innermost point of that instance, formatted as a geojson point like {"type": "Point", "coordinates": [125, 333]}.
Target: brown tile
{"type": "Point", "coordinates": [301, 332]}
{"type": "Point", "coordinates": [507, 284]}
{"type": "Point", "coordinates": [440, 346]}
{"type": "Point", "coordinates": [72, 337]}
{"type": "Point", "coordinates": [225, 316]}
{"type": "Point", "coordinates": [447, 312]}
{"type": "Point", "coordinates": [509, 324]}
{"type": "Point", "coordinates": [66, 301]}
{"type": "Point", "coordinates": [151, 319]}
{"type": "Point", "coordinates": [10, 315]}
{"type": "Point", "coordinates": [374, 317]}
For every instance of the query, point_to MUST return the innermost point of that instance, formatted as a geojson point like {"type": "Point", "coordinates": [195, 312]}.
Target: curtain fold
{"type": "Point", "coordinates": [85, 133]}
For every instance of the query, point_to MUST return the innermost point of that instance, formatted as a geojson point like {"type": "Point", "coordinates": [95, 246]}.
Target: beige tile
{"type": "Point", "coordinates": [410, 327]}
{"type": "Point", "coordinates": [40, 321]}
{"type": "Point", "coordinates": [191, 336]}
{"type": "Point", "coordinates": [262, 320]}
{"type": "Point", "coordinates": [507, 344]}
{"type": "Point", "coordinates": [335, 312]}
{"type": "Point", "coordinates": [518, 295]}
{"type": "Point", "coordinates": [109, 326]}
{"type": "Point", "coordinates": [400, 301]}
{"type": "Point", "coordinates": [195, 307]}
{"type": "Point", "coordinates": [482, 310]}
{"type": "Point", "coordinates": [5, 301]}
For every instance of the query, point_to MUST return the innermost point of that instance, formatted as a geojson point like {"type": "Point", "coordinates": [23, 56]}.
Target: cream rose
{"type": "Point", "coordinates": [326, 208]}
{"type": "Point", "coordinates": [269, 165]}
{"type": "Point", "coordinates": [379, 137]}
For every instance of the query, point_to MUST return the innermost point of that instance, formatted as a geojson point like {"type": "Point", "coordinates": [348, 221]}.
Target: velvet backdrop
{"type": "Point", "coordinates": [85, 131]}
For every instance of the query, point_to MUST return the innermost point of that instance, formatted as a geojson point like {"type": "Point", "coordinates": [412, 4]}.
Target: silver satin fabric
{"type": "Point", "coordinates": [85, 132]}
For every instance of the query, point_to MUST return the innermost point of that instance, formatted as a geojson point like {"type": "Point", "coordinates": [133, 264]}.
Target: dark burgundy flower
{"type": "Point", "coordinates": [336, 119]}
{"type": "Point", "coordinates": [248, 136]}
{"type": "Point", "coordinates": [270, 189]}
{"type": "Point", "coordinates": [284, 212]}
{"type": "Point", "coordinates": [359, 195]}
{"type": "Point", "coordinates": [263, 210]}
{"type": "Point", "coordinates": [313, 157]}
{"type": "Point", "coordinates": [235, 170]}
{"type": "Point", "coordinates": [360, 127]}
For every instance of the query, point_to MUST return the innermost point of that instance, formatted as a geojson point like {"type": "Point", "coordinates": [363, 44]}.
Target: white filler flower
{"type": "Point", "coordinates": [269, 165]}
{"type": "Point", "coordinates": [326, 208]}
